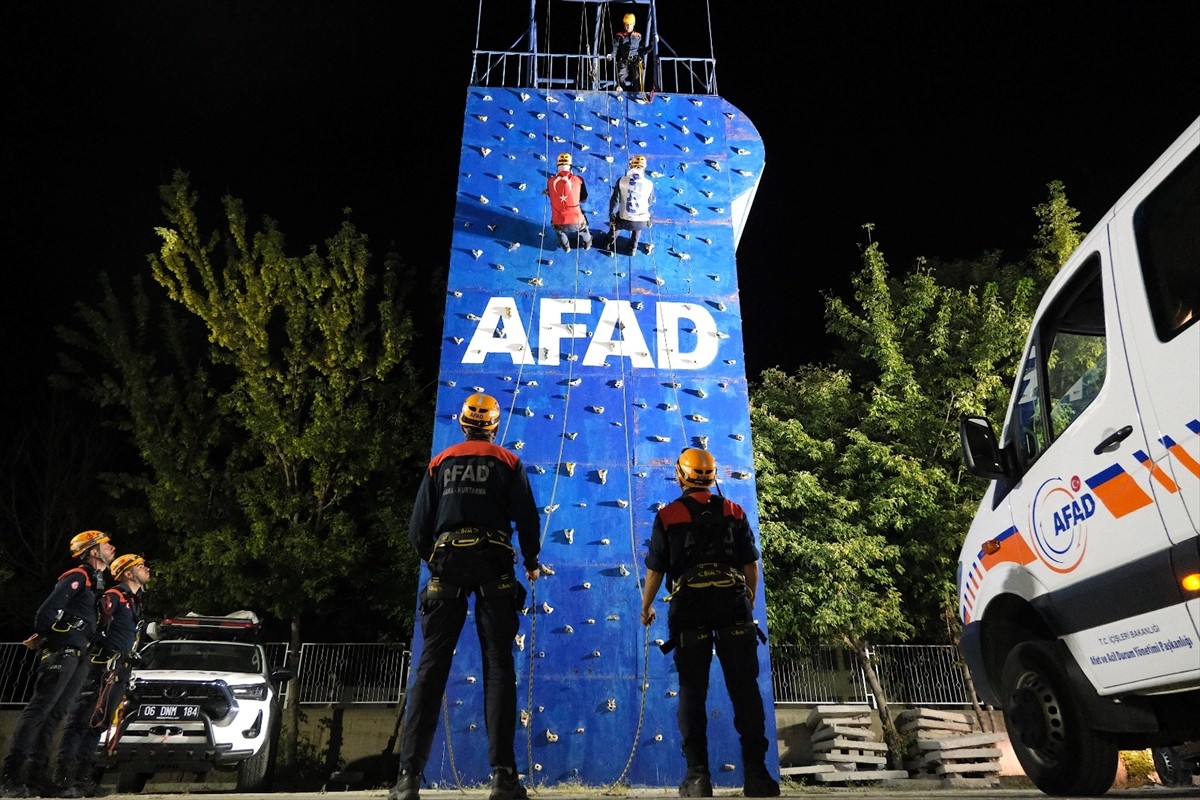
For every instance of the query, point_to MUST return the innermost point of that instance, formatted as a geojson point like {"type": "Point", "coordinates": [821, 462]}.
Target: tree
{"type": "Point", "coordinates": [49, 459]}
{"type": "Point", "coordinates": [273, 434]}
{"type": "Point", "coordinates": [863, 498]}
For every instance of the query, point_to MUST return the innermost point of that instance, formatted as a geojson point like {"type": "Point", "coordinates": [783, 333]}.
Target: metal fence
{"type": "Point", "coordinates": [588, 72]}
{"type": "Point", "coordinates": [363, 674]}
{"type": "Point", "coordinates": [919, 674]}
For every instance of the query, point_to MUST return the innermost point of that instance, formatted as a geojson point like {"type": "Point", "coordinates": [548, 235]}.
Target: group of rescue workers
{"type": "Point", "coordinates": [86, 639]}
{"type": "Point", "coordinates": [471, 496]}
{"type": "Point", "coordinates": [628, 206]}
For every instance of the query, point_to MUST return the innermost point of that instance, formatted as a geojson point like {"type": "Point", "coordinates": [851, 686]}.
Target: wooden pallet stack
{"type": "Point", "coordinates": [844, 748]}
{"type": "Point", "coordinates": [945, 748]}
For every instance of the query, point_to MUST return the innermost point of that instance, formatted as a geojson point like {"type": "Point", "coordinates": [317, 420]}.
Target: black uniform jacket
{"type": "Point", "coordinates": [475, 484]}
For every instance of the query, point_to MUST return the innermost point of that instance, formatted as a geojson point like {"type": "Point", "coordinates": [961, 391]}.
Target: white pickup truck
{"type": "Point", "coordinates": [203, 697]}
{"type": "Point", "coordinates": [1079, 580]}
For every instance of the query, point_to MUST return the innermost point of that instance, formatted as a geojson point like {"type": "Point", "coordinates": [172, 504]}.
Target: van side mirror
{"type": "Point", "coordinates": [981, 453]}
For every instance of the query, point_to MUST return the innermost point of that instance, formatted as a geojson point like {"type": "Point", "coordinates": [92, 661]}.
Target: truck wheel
{"type": "Point", "coordinates": [1048, 726]}
{"type": "Point", "coordinates": [1173, 770]}
{"type": "Point", "coordinates": [253, 773]}
{"type": "Point", "coordinates": [131, 782]}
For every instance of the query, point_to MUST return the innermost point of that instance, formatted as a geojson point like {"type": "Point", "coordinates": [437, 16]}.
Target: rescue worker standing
{"type": "Point", "coordinates": [629, 206]}
{"type": "Point", "coordinates": [111, 662]}
{"type": "Point", "coordinates": [461, 527]}
{"type": "Point", "coordinates": [703, 543]}
{"type": "Point", "coordinates": [64, 628]}
{"type": "Point", "coordinates": [567, 192]}
{"type": "Point", "coordinates": [627, 53]}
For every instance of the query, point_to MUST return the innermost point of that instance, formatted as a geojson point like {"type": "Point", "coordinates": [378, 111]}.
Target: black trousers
{"type": "Point", "coordinates": [91, 715]}
{"type": "Point", "coordinates": [712, 610]}
{"type": "Point", "coordinates": [442, 620]}
{"type": "Point", "coordinates": [60, 676]}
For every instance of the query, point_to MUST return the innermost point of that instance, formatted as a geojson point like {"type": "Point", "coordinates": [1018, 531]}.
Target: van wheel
{"type": "Point", "coordinates": [131, 782]}
{"type": "Point", "coordinates": [1173, 770]}
{"type": "Point", "coordinates": [1048, 726]}
{"type": "Point", "coordinates": [253, 773]}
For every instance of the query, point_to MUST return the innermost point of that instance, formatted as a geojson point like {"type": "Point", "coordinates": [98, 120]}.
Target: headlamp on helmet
{"type": "Point", "coordinates": [81, 543]}
{"type": "Point", "coordinates": [480, 412]}
{"type": "Point", "coordinates": [122, 564]}
{"type": "Point", "coordinates": [564, 159]}
{"type": "Point", "coordinates": [637, 162]}
{"type": "Point", "coordinates": [696, 469]}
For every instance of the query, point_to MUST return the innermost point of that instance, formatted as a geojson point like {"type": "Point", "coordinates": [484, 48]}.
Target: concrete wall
{"type": "Point", "coordinates": [360, 732]}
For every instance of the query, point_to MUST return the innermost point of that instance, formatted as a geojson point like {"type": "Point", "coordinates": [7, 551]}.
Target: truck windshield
{"type": "Point", "coordinates": [214, 656]}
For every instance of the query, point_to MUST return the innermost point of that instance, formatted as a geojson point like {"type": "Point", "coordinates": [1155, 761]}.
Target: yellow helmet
{"type": "Point", "coordinates": [81, 543]}
{"type": "Point", "coordinates": [696, 468]}
{"type": "Point", "coordinates": [564, 159]}
{"type": "Point", "coordinates": [480, 412]}
{"type": "Point", "coordinates": [637, 162]}
{"type": "Point", "coordinates": [122, 564]}
{"type": "Point", "coordinates": [629, 19]}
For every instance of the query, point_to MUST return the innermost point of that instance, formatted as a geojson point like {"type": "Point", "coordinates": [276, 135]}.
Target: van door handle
{"type": "Point", "coordinates": [1106, 444]}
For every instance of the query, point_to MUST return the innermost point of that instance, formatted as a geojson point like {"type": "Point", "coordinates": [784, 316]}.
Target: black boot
{"type": "Point", "coordinates": [37, 780]}
{"type": "Point", "coordinates": [65, 784]}
{"type": "Point", "coordinates": [12, 783]}
{"type": "Point", "coordinates": [408, 784]}
{"type": "Point", "coordinates": [93, 781]}
{"type": "Point", "coordinates": [85, 782]}
{"type": "Point", "coordinates": [759, 782]}
{"type": "Point", "coordinates": [697, 783]}
{"type": "Point", "coordinates": [506, 785]}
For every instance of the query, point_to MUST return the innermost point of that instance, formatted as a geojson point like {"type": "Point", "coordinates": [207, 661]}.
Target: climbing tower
{"type": "Point", "coordinates": [606, 363]}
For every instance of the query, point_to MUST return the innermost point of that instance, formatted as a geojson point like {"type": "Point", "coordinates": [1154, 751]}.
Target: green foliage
{"type": "Point", "coordinates": [269, 399]}
{"type": "Point", "coordinates": [863, 499]}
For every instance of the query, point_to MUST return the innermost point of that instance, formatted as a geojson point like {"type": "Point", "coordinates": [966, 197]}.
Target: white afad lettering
{"type": "Point", "coordinates": [501, 331]}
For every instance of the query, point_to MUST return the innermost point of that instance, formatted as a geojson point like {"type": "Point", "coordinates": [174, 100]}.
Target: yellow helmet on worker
{"type": "Point", "coordinates": [480, 414]}
{"type": "Point", "coordinates": [629, 19]}
{"type": "Point", "coordinates": [82, 542]}
{"type": "Point", "coordinates": [637, 162]}
{"type": "Point", "coordinates": [122, 564]}
{"type": "Point", "coordinates": [696, 469]}
{"type": "Point", "coordinates": [564, 159]}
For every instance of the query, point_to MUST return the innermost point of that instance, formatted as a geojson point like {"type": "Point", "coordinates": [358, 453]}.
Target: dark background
{"type": "Point", "coordinates": [940, 123]}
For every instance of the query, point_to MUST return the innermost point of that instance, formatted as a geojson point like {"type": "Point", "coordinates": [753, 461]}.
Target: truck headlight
{"type": "Point", "coordinates": [253, 691]}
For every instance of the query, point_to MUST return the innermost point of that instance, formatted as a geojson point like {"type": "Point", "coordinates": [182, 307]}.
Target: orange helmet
{"type": "Point", "coordinates": [480, 412]}
{"type": "Point", "coordinates": [122, 564]}
{"type": "Point", "coordinates": [81, 543]}
{"type": "Point", "coordinates": [696, 468]}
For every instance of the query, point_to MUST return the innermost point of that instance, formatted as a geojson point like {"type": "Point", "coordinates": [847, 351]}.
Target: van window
{"type": "Point", "coordinates": [1167, 227]}
{"type": "Point", "coordinates": [1065, 366]}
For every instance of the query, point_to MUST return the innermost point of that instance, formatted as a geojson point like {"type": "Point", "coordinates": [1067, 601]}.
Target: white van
{"type": "Point", "coordinates": [1079, 580]}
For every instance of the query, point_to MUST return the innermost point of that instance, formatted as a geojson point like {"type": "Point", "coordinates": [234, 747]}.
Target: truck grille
{"type": "Point", "coordinates": [214, 697]}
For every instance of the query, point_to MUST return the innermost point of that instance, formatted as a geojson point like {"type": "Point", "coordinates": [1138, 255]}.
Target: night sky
{"type": "Point", "coordinates": [939, 123]}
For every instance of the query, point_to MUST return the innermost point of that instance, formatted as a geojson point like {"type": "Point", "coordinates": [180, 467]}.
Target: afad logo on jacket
{"type": "Point", "coordinates": [1058, 521]}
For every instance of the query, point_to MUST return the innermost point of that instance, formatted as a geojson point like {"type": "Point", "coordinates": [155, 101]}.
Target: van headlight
{"type": "Point", "coordinates": [253, 691]}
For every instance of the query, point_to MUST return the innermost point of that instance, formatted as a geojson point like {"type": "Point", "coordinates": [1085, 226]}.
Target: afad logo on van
{"type": "Point", "coordinates": [1058, 520]}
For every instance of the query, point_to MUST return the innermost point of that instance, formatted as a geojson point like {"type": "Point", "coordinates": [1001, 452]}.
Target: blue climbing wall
{"type": "Point", "coordinates": [606, 366]}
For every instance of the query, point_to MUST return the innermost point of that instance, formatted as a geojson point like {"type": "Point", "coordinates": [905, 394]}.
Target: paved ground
{"type": "Point", "coordinates": [918, 790]}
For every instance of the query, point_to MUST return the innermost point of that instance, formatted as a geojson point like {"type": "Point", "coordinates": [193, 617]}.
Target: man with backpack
{"type": "Point", "coordinates": [110, 665]}
{"type": "Point", "coordinates": [64, 628]}
{"type": "Point", "coordinates": [703, 544]}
